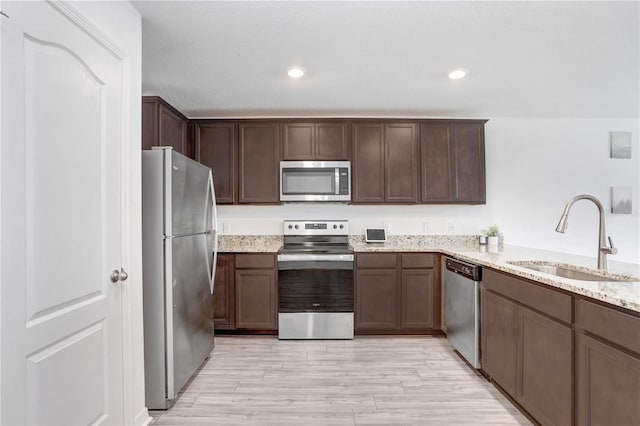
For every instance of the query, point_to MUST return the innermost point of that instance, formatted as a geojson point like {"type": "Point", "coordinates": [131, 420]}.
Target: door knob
{"type": "Point", "coordinates": [120, 275]}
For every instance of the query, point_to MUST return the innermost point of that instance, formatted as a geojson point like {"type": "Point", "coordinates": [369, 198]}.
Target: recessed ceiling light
{"type": "Point", "coordinates": [295, 73]}
{"type": "Point", "coordinates": [457, 74]}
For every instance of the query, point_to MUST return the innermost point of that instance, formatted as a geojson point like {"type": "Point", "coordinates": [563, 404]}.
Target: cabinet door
{"type": "Point", "coordinates": [258, 167]}
{"type": "Point", "coordinates": [149, 123]}
{"type": "Point", "coordinates": [298, 141]}
{"type": "Point", "coordinates": [376, 299]}
{"type": "Point", "coordinates": [332, 142]}
{"type": "Point", "coordinates": [417, 301]}
{"type": "Point", "coordinates": [368, 163]}
{"type": "Point", "coordinates": [499, 324]}
{"type": "Point", "coordinates": [256, 299]}
{"type": "Point", "coordinates": [215, 148]}
{"type": "Point", "coordinates": [544, 372]}
{"type": "Point", "coordinates": [223, 294]}
{"type": "Point", "coordinates": [401, 163]}
{"type": "Point", "coordinates": [468, 167]}
{"type": "Point", "coordinates": [173, 130]}
{"type": "Point", "coordinates": [607, 384]}
{"type": "Point", "coordinates": [435, 150]}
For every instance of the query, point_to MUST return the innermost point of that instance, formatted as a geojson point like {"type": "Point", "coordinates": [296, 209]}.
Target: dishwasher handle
{"type": "Point", "coordinates": [467, 270]}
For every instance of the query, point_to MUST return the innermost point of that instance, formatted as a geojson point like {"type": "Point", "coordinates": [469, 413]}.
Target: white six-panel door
{"type": "Point", "coordinates": [62, 96]}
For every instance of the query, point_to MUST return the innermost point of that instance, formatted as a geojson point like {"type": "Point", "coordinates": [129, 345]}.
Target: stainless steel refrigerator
{"type": "Point", "coordinates": [179, 248]}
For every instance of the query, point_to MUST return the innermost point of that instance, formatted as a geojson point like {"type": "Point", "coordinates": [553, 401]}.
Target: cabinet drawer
{"type": "Point", "coordinates": [550, 302]}
{"type": "Point", "coordinates": [417, 260]}
{"type": "Point", "coordinates": [376, 260]}
{"type": "Point", "coordinates": [611, 324]}
{"type": "Point", "coordinates": [254, 261]}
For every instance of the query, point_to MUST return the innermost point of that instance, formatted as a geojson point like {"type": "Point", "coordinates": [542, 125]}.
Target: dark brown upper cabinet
{"type": "Point", "coordinates": [367, 164]}
{"type": "Point", "coordinates": [385, 163]}
{"type": "Point", "coordinates": [215, 147]}
{"type": "Point", "coordinates": [163, 125]}
{"type": "Point", "coordinates": [258, 162]}
{"type": "Point", "coordinates": [452, 162]}
{"type": "Point", "coordinates": [327, 141]}
{"type": "Point", "coordinates": [401, 163]}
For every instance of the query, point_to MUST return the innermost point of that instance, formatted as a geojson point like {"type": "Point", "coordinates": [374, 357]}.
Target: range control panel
{"type": "Point", "coordinates": [316, 227]}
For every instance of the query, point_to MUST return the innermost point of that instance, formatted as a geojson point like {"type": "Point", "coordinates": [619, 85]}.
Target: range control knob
{"type": "Point", "coordinates": [297, 227]}
{"type": "Point", "coordinates": [341, 226]}
{"type": "Point", "coordinates": [335, 226]}
{"type": "Point", "coordinates": [290, 226]}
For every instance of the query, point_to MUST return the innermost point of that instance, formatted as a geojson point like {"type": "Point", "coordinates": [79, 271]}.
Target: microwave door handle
{"type": "Point", "coordinates": [337, 181]}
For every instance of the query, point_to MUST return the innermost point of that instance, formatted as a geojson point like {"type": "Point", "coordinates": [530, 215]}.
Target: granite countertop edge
{"type": "Point", "coordinates": [622, 294]}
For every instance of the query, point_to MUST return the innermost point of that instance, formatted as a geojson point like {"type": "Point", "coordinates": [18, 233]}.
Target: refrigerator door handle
{"type": "Point", "coordinates": [215, 232]}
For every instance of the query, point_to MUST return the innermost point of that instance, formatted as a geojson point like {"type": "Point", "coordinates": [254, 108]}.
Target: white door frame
{"type": "Point", "coordinates": [117, 26]}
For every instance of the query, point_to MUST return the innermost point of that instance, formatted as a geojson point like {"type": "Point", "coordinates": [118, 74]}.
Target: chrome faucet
{"type": "Point", "coordinates": [603, 249]}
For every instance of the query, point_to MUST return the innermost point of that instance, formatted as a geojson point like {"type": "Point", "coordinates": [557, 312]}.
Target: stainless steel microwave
{"type": "Point", "coordinates": [315, 181]}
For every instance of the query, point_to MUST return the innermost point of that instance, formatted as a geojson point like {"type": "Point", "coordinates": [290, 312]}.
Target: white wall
{"type": "Point", "coordinates": [399, 220]}
{"type": "Point", "coordinates": [534, 166]}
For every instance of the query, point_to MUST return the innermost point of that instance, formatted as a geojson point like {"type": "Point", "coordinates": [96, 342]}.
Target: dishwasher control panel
{"type": "Point", "coordinates": [468, 270]}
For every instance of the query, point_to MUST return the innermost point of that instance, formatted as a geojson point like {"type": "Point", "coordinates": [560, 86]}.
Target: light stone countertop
{"type": "Point", "coordinates": [465, 247]}
{"type": "Point", "coordinates": [249, 243]}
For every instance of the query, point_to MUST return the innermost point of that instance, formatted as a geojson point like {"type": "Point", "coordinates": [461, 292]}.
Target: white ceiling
{"type": "Point", "coordinates": [391, 58]}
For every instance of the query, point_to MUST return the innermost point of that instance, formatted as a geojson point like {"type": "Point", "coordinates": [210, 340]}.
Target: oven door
{"type": "Point", "coordinates": [307, 284]}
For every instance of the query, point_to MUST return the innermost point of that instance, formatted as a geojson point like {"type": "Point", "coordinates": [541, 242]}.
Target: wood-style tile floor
{"type": "Point", "coordinates": [367, 381]}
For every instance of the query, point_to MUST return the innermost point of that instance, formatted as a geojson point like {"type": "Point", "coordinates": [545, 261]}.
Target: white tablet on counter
{"type": "Point", "coordinates": [375, 235]}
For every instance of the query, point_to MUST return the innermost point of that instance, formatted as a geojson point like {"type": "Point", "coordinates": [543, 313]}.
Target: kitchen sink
{"type": "Point", "coordinates": [568, 271]}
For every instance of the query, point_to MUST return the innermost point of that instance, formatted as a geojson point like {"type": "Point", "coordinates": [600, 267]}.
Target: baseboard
{"type": "Point", "coordinates": [143, 418]}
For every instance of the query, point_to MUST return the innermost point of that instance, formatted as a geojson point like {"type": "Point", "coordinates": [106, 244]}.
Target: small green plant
{"type": "Point", "coordinates": [493, 231]}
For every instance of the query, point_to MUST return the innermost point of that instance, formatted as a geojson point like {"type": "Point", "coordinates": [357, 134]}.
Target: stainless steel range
{"type": "Point", "coordinates": [315, 281]}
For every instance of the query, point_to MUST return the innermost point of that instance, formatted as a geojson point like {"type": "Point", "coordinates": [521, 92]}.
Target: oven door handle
{"type": "Point", "coordinates": [315, 258]}
{"type": "Point", "coordinates": [325, 266]}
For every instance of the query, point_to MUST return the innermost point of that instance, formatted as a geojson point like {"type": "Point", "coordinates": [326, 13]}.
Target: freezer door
{"type": "Point", "coordinates": [189, 200]}
{"type": "Point", "coordinates": [189, 308]}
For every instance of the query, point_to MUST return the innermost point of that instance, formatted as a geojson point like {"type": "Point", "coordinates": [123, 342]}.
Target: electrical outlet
{"type": "Point", "coordinates": [426, 227]}
{"type": "Point", "coordinates": [226, 227]}
{"type": "Point", "coordinates": [451, 227]}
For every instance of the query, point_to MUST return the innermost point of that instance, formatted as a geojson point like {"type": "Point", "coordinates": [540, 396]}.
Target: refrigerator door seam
{"type": "Point", "coordinates": [215, 231]}
{"type": "Point", "coordinates": [168, 220]}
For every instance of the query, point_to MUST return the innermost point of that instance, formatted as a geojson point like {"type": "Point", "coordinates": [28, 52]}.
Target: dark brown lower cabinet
{"type": "Point", "coordinates": [607, 384]}
{"type": "Point", "coordinates": [223, 294]}
{"type": "Point", "coordinates": [527, 353]}
{"type": "Point", "coordinates": [245, 293]}
{"type": "Point", "coordinates": [417, 299]}
{"type": "Point", "coordinates": [396, 293]}
{"type": "Point", "coordinates": [545, 360]}
{"type": "Point", "coordinates": [376, 299]}
{"type": "Point", "coordinates": [607, 365]}
{"type": "Point", "coordinates": [499, 336]}
{"type": "Point", "coordinates": [256, 292]}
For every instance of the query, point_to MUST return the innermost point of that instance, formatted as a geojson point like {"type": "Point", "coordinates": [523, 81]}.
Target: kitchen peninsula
{"type": "Point", "coordinates": [592, 326]}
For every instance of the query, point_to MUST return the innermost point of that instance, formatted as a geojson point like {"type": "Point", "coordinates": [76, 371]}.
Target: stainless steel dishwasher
{"type": "Point", "coordinates": [462, 282]}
